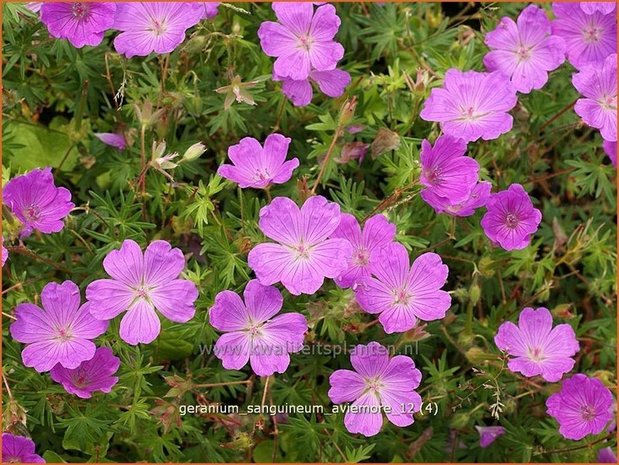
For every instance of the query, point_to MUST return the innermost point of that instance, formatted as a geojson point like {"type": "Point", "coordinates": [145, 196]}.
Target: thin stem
{"type": "Point", "coordinates": [325, 162]}
{"type": "Point", "coordinates": [22, 250]}
{"type": "Point", "coordinates": [9, 316]}
{"type": "Point", "coordinates": [143, 166]}
{"type": "Point", "coordinates": [557, 115]}
{"type": "Point", "coordinates": [570, 449]}
{"type": "Point", "coordinates": [8, 389]}
{"type": "Point", "coordinates": [264, 392]}
{"type": "Point", "coordinates": [230, 383]}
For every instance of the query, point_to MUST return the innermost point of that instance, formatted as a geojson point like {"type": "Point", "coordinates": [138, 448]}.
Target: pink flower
{"type": "Point", "coordinates": [488, 434]}
{"type": "Point", "coordinates": [304, 253]}
{"type": "Point", "coordinates": [378, 384]}
{"type": "Point", "coordinates": [331, 83]}
{"type": "Point", "coordinates": [37, 202]}
{"type": "Point", "coordinates": [253, 332]}
{"type": "Point", "coordinates": [402, 294]}
{"type": "Point", "coordinates": [116, 140]}
{"type": "Point", "coordinates": [80, 23]}
{"type": "Point", "coordinates": [302, 40]}
{"type": "Point", "coordinates": [19, 449]}
{"type": "Point", "coordinates": [606, 455]}
{"type": "Point", "coordinates": [92, 375]}
{"type": "Point", "coordinates": [582, 407]}
{"type": "Point", "coordinates": [525, 51]}
{"type": "Point", "coordinates": [210, 9]}
{"type": "Point", "coordinates": [537, 347]}
{"type": "Point", "coordinates": [511, 219]}
{"type": "Point", "coordinates": [61, 332]}
{"type": "Point", "coordinates": [611, 150]}
{"type": "Point", "coordinates": [589, 38]}
{"type": "Point", "coordinates": [141, 284]}
{"type": "Point", "coordinates": [5, 255]}
{"type": "Point", "coordinates": [378, 232]}
{"type": "Point", "coordinates": [154, 26]}
{"type": "Point", "coordinates": [592, 7]}
{"type": "Point", "coordinates": [254, 166]}
{"type": "Point", "coordinates": [472, 105]}
{"type": "Point", "coordinates": [478, 198]}
{"type": "Point", "coordinates": [445, 170]}
{"type": "Point", "coordinates": [598, 84]}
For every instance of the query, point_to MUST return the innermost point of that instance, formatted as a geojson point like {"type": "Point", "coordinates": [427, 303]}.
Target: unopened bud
{"type": "Point", "coordinates": [194, 152]}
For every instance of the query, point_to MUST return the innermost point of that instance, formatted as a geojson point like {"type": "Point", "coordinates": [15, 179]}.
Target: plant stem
{"type": "Point", "coordinates": [325, 162]}
{"type": "Point", "coordinates": [229, 383]}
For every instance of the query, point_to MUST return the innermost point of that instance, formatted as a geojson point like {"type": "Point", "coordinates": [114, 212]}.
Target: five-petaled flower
{"type": "Point", "coordinates": [81, 23]}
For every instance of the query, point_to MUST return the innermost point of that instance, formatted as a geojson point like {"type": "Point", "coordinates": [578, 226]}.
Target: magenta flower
{"type": "Point", "coordinates": [445, 170]}
{"type": "Point", "coordinates": [5, 255]}
{"type": "Point", "coordinates": [589, 38]}
{"type": "Point", "coordinates": [61, 332]}
{"type": "Point", "coordinates": [537, 347]}
{"type": "Point", "coordinates": [478, 198]}
{"type": "Point", "coordinates": [471, 105]}
{"type": "Point", "coordinates": [378, 384]}
{"type": "Point", "coordinates": [592, 7]}
{"type": "Point", "coordinates": [92, 375]}
{"type": "Point", "coordinates": [254, 166]}
{"type": "Point", "coordinates": [154, 26]}
{"type": "Point", "coordinates": [488, 434]}
{"type": "Point", "coordinates": [582, 407]}
{"type": "Point", "coordinates": [525, 51]}
{"type": "Point", "coordinates": [511, 219]}
{"type": "Point", "coordinates": [304, 254]}
{"type": "Point", "coordinates": [19, 449]}
{"type": "Point", "coordinates": [606, 455]}
{"type": "Point", "coordinates": [210, 9]}
{"type": "Point", "coordinates": [331, 83]}
{"type": "Point", "coordinates": [37, 202]}
{"type": "Point", "coordinates": [79, 23]}
{"type": "Point", "coordinates": [140, 285]}
{"type": "Point", "coordinates": [611, 150]}
{"type": "Point", "coordinates": [378, 232]}
{"type": "Point", "coordinates": [253, 332]}
{"type": "Point", "coordinates": [598, 84]}
{"type": "Point", "coordinates": [302, 40]}
{"type": "Point", "coordinates": [116, 140]}
{"type": "Point", "coordinates": [402, 294]}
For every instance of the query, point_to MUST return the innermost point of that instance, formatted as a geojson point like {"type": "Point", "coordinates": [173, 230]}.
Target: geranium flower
{"type": "Point", "coordinates": [606, 455]}
{"type": "Point", "coordinates": [61, 332]}
{"type": "Point", "coordinates": [19, 449]}
{"type": "Point", "coordinates": [140, 285]}
{"type": "Point", "coordinates": [254, 166]}
{"type": "Point", "coordinates": [302, 40]}
{"type": "Point", "coordinates": [537, 347]}
{"type": "Point", "coordinates": [402, 294]}
{"type": "Point", "coordinates": [478, 198]}
{"type": "Point", "coordinates": [378, 384]}
{"type": "Point", "coordinates": [92, 375]}
{"type": "Point", "coordinates": [81, 23]}
{"type": "Point", "coordinates": [253, 332]}
{"type": "Point", "coordinates": [525, 51]}
{"type": "Point", "coordinates": [611, 150]}
{"type": "Point", "coordinates": [488, 434]}
{"type": "Point", "coordinates": [472, 105]}
{"type": "Point", "coordinates": [37, 202]}
{"type": "Point", "coordinates": [511, 219]}
{"type": "Point", "coordinates": [445, 170]}
{"type": "Point", "coordinates": [116, 140]}
{"type": "Point", "coordinates": [598, 84]}
{"type": "Point", "coordinates": [377, 232]}
{"type": "Point", "coordinates": [210, 9]}
{"type": "Point", "coordinates": [154, 26]}
{"type": "Point", "coordinates": [589, 38]}
{"type": "Point", "coordinates": [304, 253]}
{"type": "Point", "coordinates": [331, 83]}
{"type": "Point", "coordinates": [582, 407]}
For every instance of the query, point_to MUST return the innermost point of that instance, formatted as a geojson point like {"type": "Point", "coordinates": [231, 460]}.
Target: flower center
{"type": "Point", "coordinates": [374, 384]}
{"type": "Point", "coordinates": [81, 380]}
{"type": "Point", "coordinates": [64, 334]}
{"type": "Point", "coordinates": [511, 221]}
{"type": "Point", "coordinates": [523, 53]}
{"type": "Point", "coordinates": [305, 42]}
{"type": "Point", "coordinates": [592, 34]}
{"type": "Point", "coordinates": [302, 250]}
{"type": "Point", "coordinates": [469, 114]}
{"type": "Point", "coordinates": [536, 354]}
{"type": "Point", "coordinates": [402, 297]}
{"type": "Point", "coordinates": [32, 213]}
{"type": "Point", "coordinates": [157, 27]}
{"type": "Point", "coordinates": [433, 175]}
{"type": "Point", "coordinates": [14, 459]}
{"type": "Point", "coordinates": [261, 175]}
{"type": "Point", "coordinates": [361, 257]}
{"type": "Point", "coordinates": [608, 103]}
{"type": "Point", "coordinates": [80, 10]}
{"type": "Point", "coordinates": [254, 329]}
{"type": "Point", "coordinates": [588, 413]}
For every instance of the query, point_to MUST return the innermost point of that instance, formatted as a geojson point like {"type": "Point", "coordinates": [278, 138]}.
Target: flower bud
{"type": "Point", "coordinates": [194, 152]}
